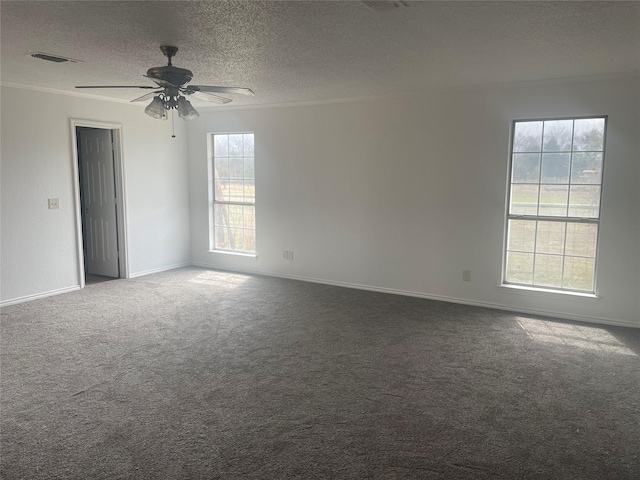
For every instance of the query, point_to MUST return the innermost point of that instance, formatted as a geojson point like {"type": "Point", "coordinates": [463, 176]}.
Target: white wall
{"type": "Point", "coordinates": [38, 252]}
{"type": "Point", "coordinates": [404, 193]}
{"type": "Point", "coordinates": [393, 194]}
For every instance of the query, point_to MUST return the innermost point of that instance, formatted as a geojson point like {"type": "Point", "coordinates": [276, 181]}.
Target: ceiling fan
{"type": "Point", "coordinates": [171, 90]}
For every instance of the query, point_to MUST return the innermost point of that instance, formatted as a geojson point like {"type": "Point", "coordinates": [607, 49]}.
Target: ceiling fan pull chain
{"type": "Point", "coordinates": [173, 125]}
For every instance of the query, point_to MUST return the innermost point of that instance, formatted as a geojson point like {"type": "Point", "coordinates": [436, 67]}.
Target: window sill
{"type": "Point", "coordinates": [235, 254]}
{"type": "Point", "coordinates": [546, 293]}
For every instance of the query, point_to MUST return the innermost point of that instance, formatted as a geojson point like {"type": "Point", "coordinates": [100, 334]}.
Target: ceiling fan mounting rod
{"type": "Point", "coordinates": [169, 51]}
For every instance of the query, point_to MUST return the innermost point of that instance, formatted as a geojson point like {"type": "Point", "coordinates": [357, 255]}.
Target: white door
{"type": "Point", "coordinates": [98, 202]}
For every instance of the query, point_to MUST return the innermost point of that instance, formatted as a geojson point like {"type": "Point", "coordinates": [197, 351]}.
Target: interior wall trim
{"type": "Point", "coordinates": [36, 296]}
{"type": "Point", "coordinates": [442, 90]}
{"type": "Point", "coordinates": [306, 103]}
{"type": "Point", "coordinates": [441, 298]}
{"type": "Point", "coordinates": [159, 270]}
{"type": "Point", "coordinates": [90, 96]}
{"type": "Point", "coordinates": [120, 188]}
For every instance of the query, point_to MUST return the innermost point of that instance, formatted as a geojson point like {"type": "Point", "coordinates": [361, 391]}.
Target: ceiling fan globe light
{"type": "Point", "coordinates": [186, 110]}
{"type": "Point", "coordinates": [155, 109]}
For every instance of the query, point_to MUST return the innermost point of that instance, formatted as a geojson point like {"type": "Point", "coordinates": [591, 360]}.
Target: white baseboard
{"type": "Point", "coordinates": [73, 288]}
{"type": "Point", "coordinates": [442, 298]}
{"type": "Point", "coordinates": [28, 298]}
{"type": "Point", "coordinates": [158, 270]}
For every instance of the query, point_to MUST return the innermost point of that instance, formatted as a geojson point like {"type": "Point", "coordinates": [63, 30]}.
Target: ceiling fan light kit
{"type": "Point", "coordinates": [172, 92]}
{"type": "Point", "coordinates": [156, 109]}
{"type": "Point", "coordinates": [186, 110]}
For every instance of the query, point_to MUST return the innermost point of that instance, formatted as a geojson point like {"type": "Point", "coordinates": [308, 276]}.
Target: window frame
{"type": "Point", "coordinates": [213, 202]}
{"type": "Point", "coordinates": [566, 220]}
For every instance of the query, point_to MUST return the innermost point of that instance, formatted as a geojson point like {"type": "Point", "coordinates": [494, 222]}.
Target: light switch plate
{"type": "Point", "coordinates": [54, 203]}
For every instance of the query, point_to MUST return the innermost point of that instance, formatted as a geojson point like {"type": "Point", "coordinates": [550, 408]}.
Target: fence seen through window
{"type": "Point", "coordinates": [554, 203]}
{"type": "Point", "coordinates": [233, 191]}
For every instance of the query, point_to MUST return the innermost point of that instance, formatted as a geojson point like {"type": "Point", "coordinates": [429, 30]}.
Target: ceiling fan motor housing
{"type": "Point", "coordinates": [174, 75]}
{"type": "Point", "coordinates": [170, 91]}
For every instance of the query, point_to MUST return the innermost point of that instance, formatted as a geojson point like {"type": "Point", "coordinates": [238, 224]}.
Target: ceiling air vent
{"type": "Point", "coordinates": [52, 58]}
{"type": "Point", "coordinates": [383, 5]}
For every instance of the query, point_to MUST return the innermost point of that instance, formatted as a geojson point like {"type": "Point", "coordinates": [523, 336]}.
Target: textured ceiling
{"type": "Point", "coordinates": [316, 50]}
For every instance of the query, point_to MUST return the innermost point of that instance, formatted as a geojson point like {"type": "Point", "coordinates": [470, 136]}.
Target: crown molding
{"type": "Point", "coordinates": [68, 93]}
{"type": "Point", "coordinates": [431, 91]}
{"type": "Point", "coordinates": [306, 103]}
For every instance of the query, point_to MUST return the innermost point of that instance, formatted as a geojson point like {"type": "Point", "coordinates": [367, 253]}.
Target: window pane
{"type": "Point", "coordinates": [234, 225]}
{"type": "Point", "coordinates": [555, 168]}
{"type": "Point", "coordinates": [589, 134]}
{"type": "Point", "coordinates": [221, 214]}
{"type": "Point", "coordinates": [524, 200]}
{"type": "Point", "coordinates": [519, 268]}
{"type": "Point", "coordinates": [249, 191]}
{"type": "Point", "coordinates": [221, 167]}
{"type": "Point", "coordinates": [579, 273]}
{"type": "Point", "coordinates": [584, 201]}
{"type": "Point", "coordinates": [557, 135]}
{"type": "Point", "coordinates": [248, 167]}
{"type": "Point", "coordinates": [522, 235]}
{"type": "Point", "coordinates": [222, 239]}
{"type": "Point", "coordinates": [548, 271]}
{"type": "Point", "coordinates": [250, 240]}
{"type": "Point", "coordinates": [248, 144]}
{"type": "Point", "coordinates": [526, 168]}
{"type": "Point", "coordinates": [527, 137]}
{"type": "Point", "coordinates": [581, 239]}
{"type": "Point", "coordinates": [236, 239]}
{"type": "Point", "coordinates": [222, 190]}
{"type": "Point", "coordinates": [220, 146]}
{"type": "Point", "coordinates": [236, 191]}
{"type": "Point", "coordinates": [235, 215]}
{"type": "Point", "coordinates": [586, 168]}
{"type": "Point", "coordinates": [249, 216]}
{"type": "Point", "coordinates": [236, 145]}
{"type": "Point", "coordinates": [553, 200]}
{"type": "Point", "coordinates": [236, 168]}
{"type": "Point", "coordinates": [550, 237]}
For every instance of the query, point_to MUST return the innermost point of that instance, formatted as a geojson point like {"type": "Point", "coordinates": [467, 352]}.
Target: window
{"type": "Point", "coordinates": [232, 191]}
{"type": "Point", "coordinates": [554, 203]}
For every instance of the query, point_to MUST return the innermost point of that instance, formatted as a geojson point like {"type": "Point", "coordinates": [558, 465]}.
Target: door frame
{"type": "Point", "coordinates": [121, 204]}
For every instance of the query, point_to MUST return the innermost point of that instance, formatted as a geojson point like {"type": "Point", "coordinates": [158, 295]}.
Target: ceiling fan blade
{"type": "Point", "coordinates": [209, 97]}
{"type": "Point", "coordinates": [161, 82]}
{"type": "Point", "coordinates": [114, 86]}
{"type": "Point", "coordinates": [146, 96]}
{"type": "Point", "coordinates": [212, 89]}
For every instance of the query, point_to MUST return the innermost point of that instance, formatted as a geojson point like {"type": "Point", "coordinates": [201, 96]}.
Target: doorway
{"type": "Point", "coordinates": [99, 202]}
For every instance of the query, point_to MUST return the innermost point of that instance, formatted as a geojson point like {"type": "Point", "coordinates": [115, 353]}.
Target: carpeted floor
{"type": "Point", "coordinates": [201, 374]}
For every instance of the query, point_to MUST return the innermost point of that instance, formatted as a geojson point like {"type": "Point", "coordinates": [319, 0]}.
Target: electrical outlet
{"type": "Point", "coordinates": [287, 254]}
{"type": "Point", "coordinates": [54, 203]}
{"type": "Point", "coordinates": [466, 275]}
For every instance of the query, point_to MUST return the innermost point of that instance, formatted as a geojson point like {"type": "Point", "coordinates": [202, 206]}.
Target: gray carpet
{"type": "Point", "coordinates": [200, 374]}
